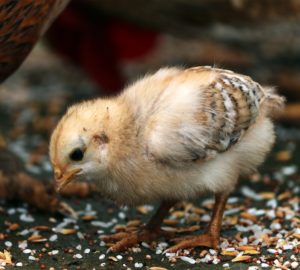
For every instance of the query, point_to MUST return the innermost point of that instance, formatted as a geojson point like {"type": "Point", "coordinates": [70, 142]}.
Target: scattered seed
{"type": "Point", "coordinates": [54, 252]}
{"type": "Point", "coordinates": [283, 155]}
{"type": "Point", "coordinates": [42, 228]}
{"type": "Point", "coordinates": [134, 223]}
{"type": "Point", "coordinates": [14, 227]}
{"type": "Point", "coordinates": [187, 259]}
{"type": "Point", "coordinates": [77, 256]}
{"type": "Point", "coordinates": [26, 218]}
{"type": "Point", "coordinates": [241, 258]}
{"type": "Point", "coordinates": [229, 253]}
{"type": "Point", "coordinates": [53, 238]}
{"type": "Point", "coordinates": [37, 239]}
{"type": "Point", "coordinates": [67, 231]}
{"type": "Point", "coordinates": [8, 243]}
{"type": "Point", "coordinates": [88, 218]}
{"type": "Point", "coordinates": [138, 265]}
{"type": "Point", "coordinates": [113, 258]}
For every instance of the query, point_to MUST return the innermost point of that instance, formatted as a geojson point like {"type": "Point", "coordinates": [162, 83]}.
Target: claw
{"type": "Point", "coordinates": [204, 240]}
{"type": "Point", "coordinates": [124, 240]}
{"type": "Point", "coordinates": [180, 239]}
{"type": "Point", "coordinates": [114, 237]}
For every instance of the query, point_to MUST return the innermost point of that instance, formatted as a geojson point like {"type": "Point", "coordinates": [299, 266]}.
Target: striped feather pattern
{"type": "Point", "coordinates": [225, 105]}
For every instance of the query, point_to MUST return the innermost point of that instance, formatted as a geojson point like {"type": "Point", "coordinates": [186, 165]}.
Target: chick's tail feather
{"type": "Point", "coordinates": [273, 104]}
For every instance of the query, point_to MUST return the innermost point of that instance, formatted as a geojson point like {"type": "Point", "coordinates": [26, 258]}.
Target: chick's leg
{"type": "Point", "coordinates": [212, 237]}
{"type": "Point", "coordinates": [148, 233]}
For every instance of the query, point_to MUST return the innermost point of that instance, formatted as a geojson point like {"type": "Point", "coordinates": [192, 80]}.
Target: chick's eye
{"type": "Point", "coordinates": [76, 154]}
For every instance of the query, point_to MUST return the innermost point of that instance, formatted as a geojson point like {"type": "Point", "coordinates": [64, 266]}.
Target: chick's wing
{"type": "Point", "coordinates": [201, 112]}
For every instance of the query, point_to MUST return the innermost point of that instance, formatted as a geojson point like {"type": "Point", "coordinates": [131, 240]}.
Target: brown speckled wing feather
{"type": "Point", "coordinates": [226, 107]}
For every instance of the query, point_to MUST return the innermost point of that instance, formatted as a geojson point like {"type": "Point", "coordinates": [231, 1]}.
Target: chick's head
{"type": "Point", "coordinates": [79, 145]}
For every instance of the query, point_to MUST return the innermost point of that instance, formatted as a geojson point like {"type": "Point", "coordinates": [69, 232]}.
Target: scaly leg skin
{"type": "Point", "coordinates": [212, 237]}
{"type": "Point", "coordinates": [147, 234]}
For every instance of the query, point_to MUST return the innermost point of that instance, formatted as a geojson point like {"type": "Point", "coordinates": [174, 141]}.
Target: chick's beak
{"type": "Point", "coordinates": [64, 178]}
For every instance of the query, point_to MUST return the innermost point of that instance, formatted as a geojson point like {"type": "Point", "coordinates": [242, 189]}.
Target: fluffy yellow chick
{"type": "Point", "coordinates": [170, 136]}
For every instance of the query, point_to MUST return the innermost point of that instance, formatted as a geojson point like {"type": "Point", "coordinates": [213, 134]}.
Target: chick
{"type": "Point", "coordinates": [173, 135]}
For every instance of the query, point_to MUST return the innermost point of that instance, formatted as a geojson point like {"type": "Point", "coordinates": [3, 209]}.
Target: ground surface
{"type": "Point", "coordinates": [261, 226]}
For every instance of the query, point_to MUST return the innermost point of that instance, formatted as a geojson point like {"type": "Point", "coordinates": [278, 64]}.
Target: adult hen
{"type": "Point", "coordinates": [170, 136]}
{"type": "Point", "coordinates": [22, 24]}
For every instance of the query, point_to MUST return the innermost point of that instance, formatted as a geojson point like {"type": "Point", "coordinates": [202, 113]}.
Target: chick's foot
{"type": "Point", "coordinates": [125, 240]}
{"type": "Point", "coordinates": [148, 233]}
{"type": "Point", "coordinates": [203, 240]}
{"type": "Point", "coordinates": [212, 237]}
